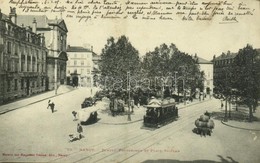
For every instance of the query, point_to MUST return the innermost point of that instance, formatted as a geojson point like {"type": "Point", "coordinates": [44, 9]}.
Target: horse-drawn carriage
{"type": "Point", "coordinates": [88, 116]}
{"type": "Point", "coordinates": [160, 112]}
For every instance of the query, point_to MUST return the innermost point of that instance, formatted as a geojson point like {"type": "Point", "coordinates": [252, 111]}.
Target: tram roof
{"type": "Point", "coordinates": [160, 106]}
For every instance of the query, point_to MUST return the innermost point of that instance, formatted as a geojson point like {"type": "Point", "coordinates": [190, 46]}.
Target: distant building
{"type": "Point", "coordinates": [207, 67]}
{"type": "Point", "coordinates": [96, 69]}
{"type": "Point", "coordinates": [22, 59]}
{"type": "Point", "coordinates": [55, 32]}
{"type": "Point", "coordinates": [221, 64]}
{"type": "Point", "coordinates": [80, 66]}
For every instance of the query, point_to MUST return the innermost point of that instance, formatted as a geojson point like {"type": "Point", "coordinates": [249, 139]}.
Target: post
{"type": "Point", "coordinates": [175, 78]}
{"type": "Point", "coordinates": [225, 119]}
{"type": "Point", "coordinates": [55, 76]}
{"type": "Point", "coordinates": [128, 89]}
{"type": "Point", "coordinates": [184, 92]}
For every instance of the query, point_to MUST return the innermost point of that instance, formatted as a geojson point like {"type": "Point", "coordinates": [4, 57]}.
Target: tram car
{"type": "Point", "coordinates": [160, 112]}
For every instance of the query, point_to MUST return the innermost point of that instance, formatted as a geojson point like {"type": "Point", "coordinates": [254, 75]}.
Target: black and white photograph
{"type": "Point", "coordinates": [130, 81]}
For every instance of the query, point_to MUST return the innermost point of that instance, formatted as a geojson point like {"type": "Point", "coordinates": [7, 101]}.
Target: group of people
{"type": "Point", "coordinates": [79, 127]}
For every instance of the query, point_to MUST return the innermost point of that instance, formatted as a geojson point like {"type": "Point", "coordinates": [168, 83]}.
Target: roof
{"type": "Point", "coordinates": [27, 20]}
{"type": "Point", "coordinates": [201, 60]}
{"type": "Point", "coordinates": [41, 20]}
{"type": "Point", "coordinates": [77, 49]}
{"type": "Point", "coordinates": [226, 56]}
{"type": "Point", "coordinates": [4, 16]}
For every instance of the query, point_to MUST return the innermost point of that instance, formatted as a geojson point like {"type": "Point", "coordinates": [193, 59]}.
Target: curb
{"type": "Point", "coordinates": [9, 110]}
{"type": "Point", "coordinates": [124, 123]}
{"type": "Point", "coordinates": [238, 127]}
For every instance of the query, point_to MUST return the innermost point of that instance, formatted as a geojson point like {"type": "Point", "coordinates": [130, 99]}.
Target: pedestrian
{"type": "Point", "coordinates": [222, 105]}
{"type": "Point", "coordinates": [49, 102]}
{"type": "Point", "coordinates": [74, 113]}
{"type": "Point", "coordinates": [52, 106]}
{"type": "Point", "coordinates": [80, 130]}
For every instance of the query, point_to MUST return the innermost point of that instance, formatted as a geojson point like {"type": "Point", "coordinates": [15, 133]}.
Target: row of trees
{"type": "Point", "coordinates": [159, 66]}
{"type": "Point", "coordinates": [241, 79]}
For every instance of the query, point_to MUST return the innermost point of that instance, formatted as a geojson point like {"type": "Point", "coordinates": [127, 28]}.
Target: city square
{"type": "Point", "coordinates": [129, 81]}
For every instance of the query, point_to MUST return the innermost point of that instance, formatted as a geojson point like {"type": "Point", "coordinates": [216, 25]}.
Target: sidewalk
{"type": "Point", "coordinates": [34, 99]}
{"type": "Point", "coordinates": [242, 122]}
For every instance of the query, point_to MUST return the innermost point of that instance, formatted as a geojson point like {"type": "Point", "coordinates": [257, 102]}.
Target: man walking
{"type": "Point", "coordinates": [79, 130]}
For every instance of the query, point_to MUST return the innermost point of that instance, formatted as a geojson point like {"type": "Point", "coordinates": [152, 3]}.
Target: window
{"type": "Point", "coordinates": [8, 85]}
{"type": "Point", "coordinates": [82, 71]}
{"type": "Point", "coordinates": [15, 84]}
{"type": "Point", "coordinates": [28, 63]}
{"type": "Point", "coordinates": [42, 82]}
{"type": "Point", "coordinates": [82, 63]}
{"type": "Point", "coordinates": [9, 48]}
{"type": "Point", "coordinates": [38, 67]}
{"type": "Point", "coordinates": [75, 55]}
{"type": "Point", "coordinates": [75, 63]}
{"type": "Point", "coordinates": [43, 67]}
{"type": "Point", "coordinates": [15, 49]}
{"type": "Point", "coordinates": [9, 65]}
{"type": "Point", "coordinates": [22, 83]}
{"type": "Point", "coordinates": [33, 64]}
{"type": "Point", "coordinates": [37, 83]}
{"type": "Point", "coordinates": [22, 62]}
{"type": "Point", "coordinates": [88, 71]}
{"type": "Point", "coordinates": [16, 66]}
{"type": "Point", "coordinates": [33, 84]}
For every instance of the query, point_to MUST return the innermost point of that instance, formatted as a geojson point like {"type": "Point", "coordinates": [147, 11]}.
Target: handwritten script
{"type": "Point", "coordinates": [167, 10]}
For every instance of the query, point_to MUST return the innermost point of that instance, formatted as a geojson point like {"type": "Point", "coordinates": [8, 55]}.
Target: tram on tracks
{"type": "Point", "coordinates": [160, 113]}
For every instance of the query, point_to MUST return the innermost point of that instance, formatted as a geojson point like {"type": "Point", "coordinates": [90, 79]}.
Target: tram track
{"type": "Point", "coordinates": [135, 138]}
{"type": "Point", "coordinates": [141, 147]}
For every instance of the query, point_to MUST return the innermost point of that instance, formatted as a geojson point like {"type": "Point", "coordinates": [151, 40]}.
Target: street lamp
{"type": "Point", "coordinates": [175, 80]}
{"type": "Point", "coordinates": [128, 89]}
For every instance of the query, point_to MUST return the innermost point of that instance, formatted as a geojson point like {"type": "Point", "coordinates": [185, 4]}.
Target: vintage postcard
{"type": "Point", "coordinates": [130, 81]}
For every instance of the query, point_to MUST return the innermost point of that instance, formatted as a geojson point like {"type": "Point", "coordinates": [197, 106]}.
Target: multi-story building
{"type": "Point", "coordinates": [22, 59]}
{"type": "Point", "coordinates": [55, 32]}
{"type": "Point", "coordinates": [207, 67]}
{"type": "Point", "coordinates": [221, 66]}
{"type": "Point", "coordinates": [96, 69]}
{"type": "Point", "coordinates": [80, 66]}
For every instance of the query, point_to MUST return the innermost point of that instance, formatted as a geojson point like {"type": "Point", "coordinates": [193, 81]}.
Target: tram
{"type": "Point", "coordinates": [160, 112]}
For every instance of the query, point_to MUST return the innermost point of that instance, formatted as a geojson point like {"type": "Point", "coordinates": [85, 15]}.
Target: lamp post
{"type": "Point", "coordinates": [128, 89]}
{"type": "Point", "coordinates": [175, 80]}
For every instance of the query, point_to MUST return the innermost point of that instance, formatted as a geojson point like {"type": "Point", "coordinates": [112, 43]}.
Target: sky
{"type": "Point", "coordinates": [206, 39]}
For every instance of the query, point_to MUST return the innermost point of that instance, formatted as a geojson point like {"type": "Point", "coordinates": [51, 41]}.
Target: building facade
{"type": "Point", "coordinates": [221, 65]}
{"type": "Point", "coordinates": [55, 32]}
{"type": "Point", "coordinates": [96, 69]}
{"type": "Point", "coordinates": [207, 67]}
{"type": "Point", "coordinates": [80, 66]}
{"type": "Point", "coordinates": [23, 56]}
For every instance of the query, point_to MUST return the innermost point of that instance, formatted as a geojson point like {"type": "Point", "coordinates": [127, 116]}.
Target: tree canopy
{"type": "Point", "coordinates": [118, 58]}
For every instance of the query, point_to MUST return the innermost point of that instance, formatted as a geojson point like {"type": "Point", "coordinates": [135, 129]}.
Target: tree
{"type": "Point", "coordinates": [247, 78]}
{"type": "Point", "coordinates": [117, 58]}
{"type": "Point", "coordinates": [166, 60]}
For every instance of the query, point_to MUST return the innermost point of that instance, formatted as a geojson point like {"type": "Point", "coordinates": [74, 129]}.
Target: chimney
{"type": "Point", "coordinates": [34, 26]}
{"type": "Point", "coordinates": [13, 15]}
{"type": "Point", "coordinates": [91, 48]}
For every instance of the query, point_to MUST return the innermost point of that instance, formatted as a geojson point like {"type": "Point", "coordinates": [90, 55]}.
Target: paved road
{"type": "Point", "coordinates": [33, 133]}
